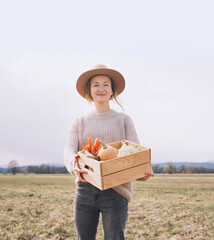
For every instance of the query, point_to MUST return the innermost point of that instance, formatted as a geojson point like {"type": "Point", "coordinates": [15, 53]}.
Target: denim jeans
{"type": "Point", "coordinates": [89, 203]}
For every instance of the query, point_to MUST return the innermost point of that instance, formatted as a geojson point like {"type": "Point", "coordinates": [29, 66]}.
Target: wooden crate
{"type": "Point", "coordinates": [113, 172]}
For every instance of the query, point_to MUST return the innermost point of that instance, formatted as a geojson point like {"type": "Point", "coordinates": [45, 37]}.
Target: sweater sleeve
{"type": "Point", "coordinates": [130, 131]}
{"type": "Point", "coordinates": [71, 147]}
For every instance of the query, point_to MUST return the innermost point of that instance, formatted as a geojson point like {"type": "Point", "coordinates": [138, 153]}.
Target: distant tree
{"type": "Point", "coordinates": [25, 171]}
{"type": "Point", "coordinates": [157, 169]}
{"type": "Point", "coordinates": [12, 166]}
{"type": "Point", "coordinates": [31, 169]}
{"type": "Point", "coordinates": [188, 168]}
{"type": "Point", "coordinates": [170, 168]}
{"type": "Point", "coordinates": [166, 169]}
{"type": "Point", "coordinates": [181, 169]}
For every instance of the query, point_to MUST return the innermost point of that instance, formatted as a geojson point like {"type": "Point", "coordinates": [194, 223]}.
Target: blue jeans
{"type": "Point", "coordinates": [89, 203]}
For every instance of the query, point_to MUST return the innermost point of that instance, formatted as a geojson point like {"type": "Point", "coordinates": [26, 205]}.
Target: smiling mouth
{"type": "Point", "coordinates": [101, 95]}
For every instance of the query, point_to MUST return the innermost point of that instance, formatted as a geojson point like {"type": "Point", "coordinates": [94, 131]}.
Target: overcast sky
{"type": "Point", "coordinates": [164, 49]}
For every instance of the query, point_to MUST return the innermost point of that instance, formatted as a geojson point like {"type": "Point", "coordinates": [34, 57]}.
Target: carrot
{"type": "Point", "coordinates": [91, 145]}
{"type": "Point", "coordinates": [92, 149]}
{"type": "Point", "coordinates": [97, 143]}
{"type": "Point", "coordinates": [83, 146]}
{"type": "Point", "coordinates": [100, 146]}
{"type": "Point", "coordinates": [90, 142]}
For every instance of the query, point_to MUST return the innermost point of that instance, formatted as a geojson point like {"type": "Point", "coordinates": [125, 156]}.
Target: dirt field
{"type": "Point", "coordinates": [166, 207]}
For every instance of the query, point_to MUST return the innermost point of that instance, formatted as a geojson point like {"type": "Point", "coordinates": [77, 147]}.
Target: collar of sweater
{"type": "Point", "coordinates": [109, 114]}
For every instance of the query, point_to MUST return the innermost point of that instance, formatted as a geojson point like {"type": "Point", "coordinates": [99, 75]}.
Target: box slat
{"type": "Point", "coordinates": [127, 175]}
{"type": "Point", "coordinates": [121, 163]}
{"type": "Point", "coordinates": [115, 144]}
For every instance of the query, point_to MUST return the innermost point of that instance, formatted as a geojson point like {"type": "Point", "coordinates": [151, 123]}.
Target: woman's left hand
{"type": "Point", "coordinates": [148, 175]}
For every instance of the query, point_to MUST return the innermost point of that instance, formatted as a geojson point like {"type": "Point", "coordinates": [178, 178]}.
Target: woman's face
{"type": "Point", "coordinates": [101, 90]}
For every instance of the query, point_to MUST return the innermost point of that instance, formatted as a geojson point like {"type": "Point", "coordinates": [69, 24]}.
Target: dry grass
{"type": "Point", "coordinates": [165, 207]}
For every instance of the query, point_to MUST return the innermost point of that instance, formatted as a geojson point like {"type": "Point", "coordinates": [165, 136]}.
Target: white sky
{"type": "Point", "coordinates": [164, 49]}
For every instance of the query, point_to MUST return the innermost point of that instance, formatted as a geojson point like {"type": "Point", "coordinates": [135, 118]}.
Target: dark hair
{"type": "Point", "coordinates": [113, 96]}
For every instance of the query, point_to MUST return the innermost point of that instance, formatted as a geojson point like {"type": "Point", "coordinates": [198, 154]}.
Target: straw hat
{"type": "Point", "coordinates": [117, 78]}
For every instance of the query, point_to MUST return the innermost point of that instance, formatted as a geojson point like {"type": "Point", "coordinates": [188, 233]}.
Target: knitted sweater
{"type": "Point", "coordinates": [110, 127]}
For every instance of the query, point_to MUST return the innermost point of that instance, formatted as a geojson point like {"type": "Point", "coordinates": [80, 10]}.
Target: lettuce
{"type": "Point", "coordinates": [127, 149]}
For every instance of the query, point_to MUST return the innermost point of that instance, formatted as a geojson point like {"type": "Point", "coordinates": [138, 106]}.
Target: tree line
{"type": "Point", "coordinates": [171, 168]}
{"type": "Point", "coordinates": [13, 167]}
{"type": "Point", "coordinates": [46, 169]}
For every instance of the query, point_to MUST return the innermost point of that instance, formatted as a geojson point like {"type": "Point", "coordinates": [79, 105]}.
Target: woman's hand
{"type": "Point", "coordinates": [148, 175]}
{"type": "Point", "coordinates": [78, 171]}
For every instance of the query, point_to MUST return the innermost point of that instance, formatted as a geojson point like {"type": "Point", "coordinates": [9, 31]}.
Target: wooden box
{"type": "Point", "coordinates": [113, 172]}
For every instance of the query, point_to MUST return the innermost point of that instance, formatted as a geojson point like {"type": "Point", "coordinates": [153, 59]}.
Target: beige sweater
{"type": "Point", "coordinates": [110, 126]}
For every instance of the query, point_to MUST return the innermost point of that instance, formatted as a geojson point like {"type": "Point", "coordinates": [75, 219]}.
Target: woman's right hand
{"type": "Point", "coordinates": [78, 171]}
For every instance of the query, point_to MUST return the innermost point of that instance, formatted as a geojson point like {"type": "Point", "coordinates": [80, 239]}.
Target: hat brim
{"type": "Point", "coordinates": [117, 78]}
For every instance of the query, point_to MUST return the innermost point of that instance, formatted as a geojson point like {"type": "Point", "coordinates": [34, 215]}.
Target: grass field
{"type": "Point", "coordinates": [166, 207]}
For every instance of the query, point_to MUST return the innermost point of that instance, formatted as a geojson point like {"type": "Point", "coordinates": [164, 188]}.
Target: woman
{"type": "Point", "coordinates": [100, 85]}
